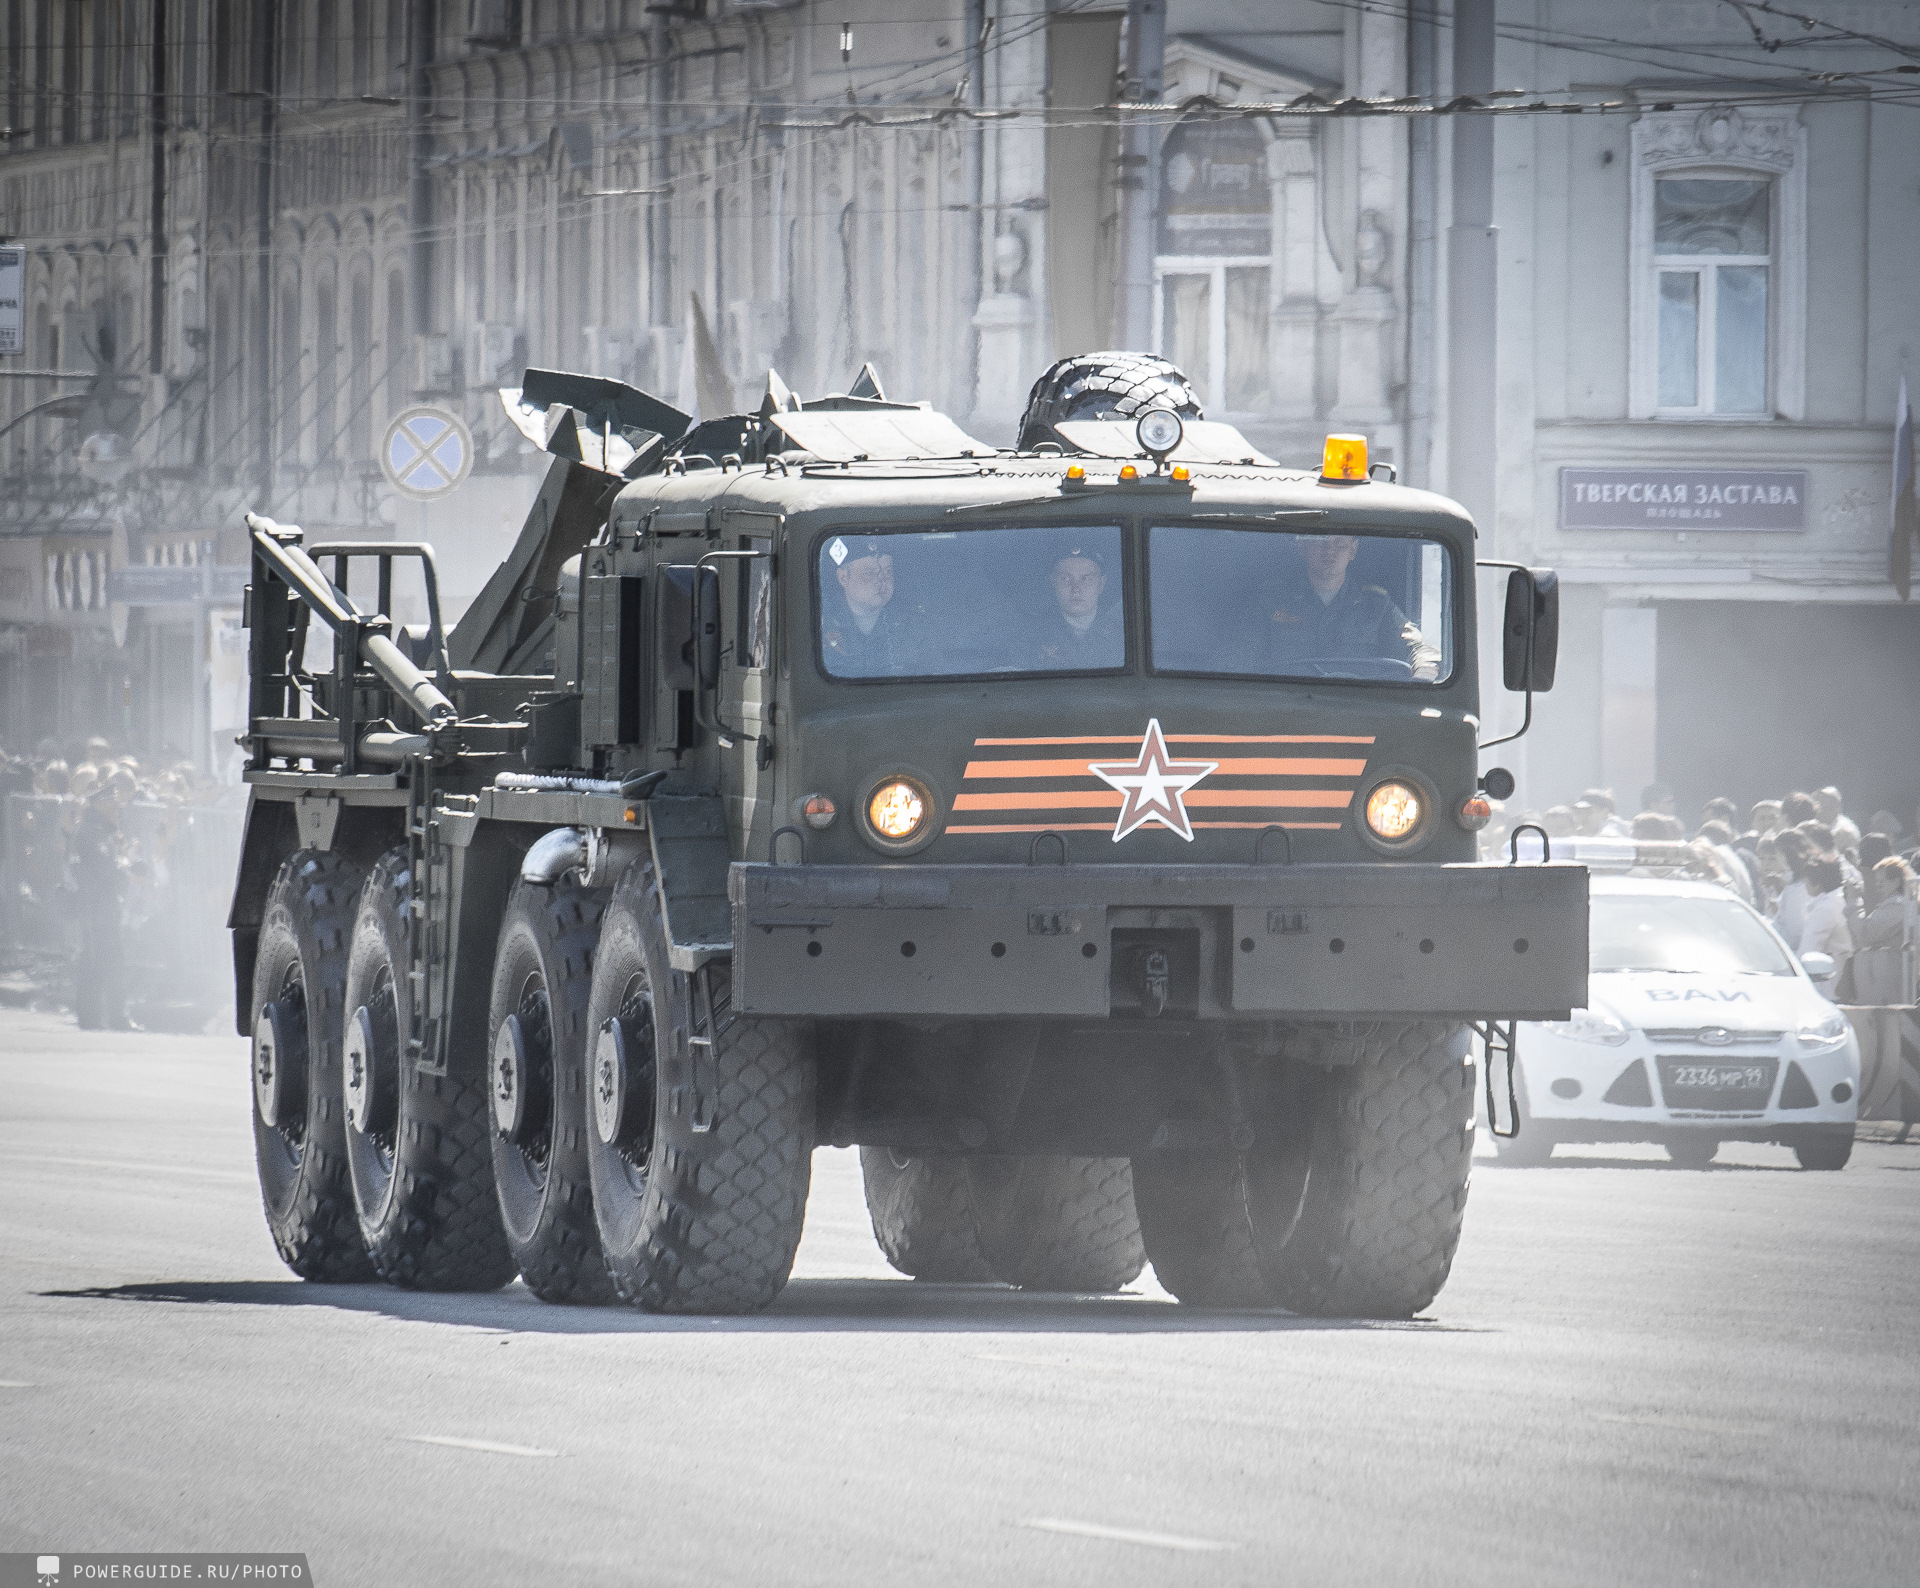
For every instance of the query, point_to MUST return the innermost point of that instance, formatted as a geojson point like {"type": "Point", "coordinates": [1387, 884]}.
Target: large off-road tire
{"type": "Point", "coordinates": [536, 1082]}
{"type": "Point", "coordinates": [1058, 1223]}
{"type": "Point", "coordinates": [299, 1131]}
{"type": "Point", "coordinates": [1112, 385]}
{"type": "Point", "coordinates": [1198, 1212]}
{"type": "Point", "coordinates": [418, 1145]}
{"type": "Point", "coordinates": [1823, 1147]}
{"type": "Point", "coordinates": [923, 1215]}
{"type": "Point", "coordinates": [701, 1156]}
{"type": "Point", "coordinates": [1349, 1202]}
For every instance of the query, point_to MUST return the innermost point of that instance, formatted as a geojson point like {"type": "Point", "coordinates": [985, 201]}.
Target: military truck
{"type": "Point", "coordinates": [1085, 830]}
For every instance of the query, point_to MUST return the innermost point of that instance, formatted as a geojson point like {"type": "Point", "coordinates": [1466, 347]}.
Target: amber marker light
{"type": "Point", "coordinates": [1476, 810]}
{"type": "Point", "coordinates": [1394, 811]}
{"type": "Point", "coordinates": [1182, 473]}
{"type": "Point", "coordinates": [1129, 472]}
{"type": "Point", "coordinates": [1345, 458]}
{"type": "Point", "coordinates": [818, 812]}
{"type": "Point", "coordinates": [1075, 472]}
{"type": "Point", "coordinates": [896, 809]}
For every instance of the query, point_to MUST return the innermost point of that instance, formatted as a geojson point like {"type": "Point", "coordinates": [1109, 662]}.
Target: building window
{"type": "Point", "coordinates": [1213, 270]}
{"type": "Point", "coordinates": [326, 338]}
{"type": "Point", "coordinates": [1213, 325]}
{"type": "Point", "coordinates": [1713, 252]}
{"type": "Point", "coordinates": [1719, 254]}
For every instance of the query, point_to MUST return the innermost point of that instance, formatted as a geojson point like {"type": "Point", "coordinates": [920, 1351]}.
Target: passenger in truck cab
{"type": "Point", "coordinates": [867, 637]}
{"type": "Point", "coordinates": [1080, 632]}
{"type": "Point", "coordinates": [1335, 617]}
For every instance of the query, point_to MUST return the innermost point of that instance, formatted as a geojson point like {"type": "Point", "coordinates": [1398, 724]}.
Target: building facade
{"type": "Point", "coordinates": [255, 234]}
{"type": "Point", "coordinates": [1708, 302]}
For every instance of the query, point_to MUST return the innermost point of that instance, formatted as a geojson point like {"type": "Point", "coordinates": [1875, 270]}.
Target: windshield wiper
{"type": "Point", "coordinates": [1270, 515]}
{"type": "Point", "coordinates": [1033, 501]}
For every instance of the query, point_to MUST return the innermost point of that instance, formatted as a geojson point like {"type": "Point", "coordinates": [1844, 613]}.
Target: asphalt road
{"type": "Point", "coordinates": [1637, 1375]}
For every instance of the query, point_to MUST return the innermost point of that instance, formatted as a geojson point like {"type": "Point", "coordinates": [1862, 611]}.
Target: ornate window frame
{"type": "Point", "coordinates": [1305, 282]}
{"type": "Point", "coordinates": [1719, 140]}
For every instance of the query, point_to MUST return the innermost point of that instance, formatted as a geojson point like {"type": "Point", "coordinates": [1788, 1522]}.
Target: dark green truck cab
{"type": "Point", "coordinates": [1088, 833]}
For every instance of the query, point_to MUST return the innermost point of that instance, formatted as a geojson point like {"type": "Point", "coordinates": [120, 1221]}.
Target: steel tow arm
{"type": "Point", "coordinates": [279, 546]}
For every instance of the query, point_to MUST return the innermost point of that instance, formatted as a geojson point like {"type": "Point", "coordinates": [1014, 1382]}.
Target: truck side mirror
{"type": "Point", "coordinates": [1530, 635]}
{"type": "Point", "coordinates": [687, 636]}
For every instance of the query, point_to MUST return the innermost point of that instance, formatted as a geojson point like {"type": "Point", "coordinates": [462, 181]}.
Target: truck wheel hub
{"type": "Point", "coordinates": [512, 1079]}
{"type": "Point", "coordinates": [609, 1082]}
{"type": "Point", "coordinates": [279, 1062]}
{"type": "Point", "coordinates": [622, 1080]}
{"type": "Point", "coordinates": [369, 1083]}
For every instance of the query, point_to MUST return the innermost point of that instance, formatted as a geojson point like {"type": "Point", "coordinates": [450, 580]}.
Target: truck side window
{"type": "Point", "coordinates": [1270, 604]}
{"type": "Point", "coordinates": [756, 604]}
{"type": "Point", "coordinates": [958, 603]}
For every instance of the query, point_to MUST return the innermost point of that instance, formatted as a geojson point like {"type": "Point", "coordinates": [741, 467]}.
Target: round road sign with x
{"type": "Point", "coordinates": [426, 452]}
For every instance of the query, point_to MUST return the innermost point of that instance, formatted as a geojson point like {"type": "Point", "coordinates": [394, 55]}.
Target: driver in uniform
{"type": "Point", "coordinates": [867, 636]}
{"type": "Point", "coordinates": [1337, 617]}
{"type": "Point", "coordinates": [1078, 633]}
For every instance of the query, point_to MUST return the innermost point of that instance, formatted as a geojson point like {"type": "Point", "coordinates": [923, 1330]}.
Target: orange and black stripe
{"type": "Point", "coordinates": [1263, 780]}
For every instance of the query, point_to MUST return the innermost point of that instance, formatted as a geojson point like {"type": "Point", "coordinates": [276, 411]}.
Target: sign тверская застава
{"type": "Point", "coordinates": [1683, 499]}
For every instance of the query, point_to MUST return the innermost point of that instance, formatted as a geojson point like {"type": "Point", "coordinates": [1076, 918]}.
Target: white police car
{"type": "Point", "coordinates": [1700, 1027]}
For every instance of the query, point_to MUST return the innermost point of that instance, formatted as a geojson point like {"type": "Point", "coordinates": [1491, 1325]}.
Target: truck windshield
{"type": "Point", "coordinates": [1276, 605]}
{"type": "Point", "coordinates": [958, 602]}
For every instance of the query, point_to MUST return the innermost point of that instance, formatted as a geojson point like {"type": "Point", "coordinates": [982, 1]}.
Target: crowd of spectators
{"type": "Point", "coordinates": [94, 770]}
{"type": "Point", "coordinates": [113, 870]}
{"type": "Point", "coordinates": [1829, 884]}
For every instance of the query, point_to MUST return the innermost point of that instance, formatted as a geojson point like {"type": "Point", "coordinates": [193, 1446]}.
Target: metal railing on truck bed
{"type": "Point", "coordinates": [371, 674]}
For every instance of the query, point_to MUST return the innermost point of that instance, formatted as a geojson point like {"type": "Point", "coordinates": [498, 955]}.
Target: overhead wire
{"type": "Point", "coordinates": [294, 140]}
{"type": "Point", "coordinates": [1574, 41]}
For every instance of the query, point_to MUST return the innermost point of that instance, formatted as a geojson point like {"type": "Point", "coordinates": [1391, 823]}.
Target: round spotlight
{"type": "Point", "coordinates": [897, 810]}
{"type": "Point", "coordinates": [1395, 811]}
{"type": "Point", "coordinates": [1159, 431]}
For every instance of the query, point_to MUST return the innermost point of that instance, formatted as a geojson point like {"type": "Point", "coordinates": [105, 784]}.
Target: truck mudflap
{"type": "Point", "coordinates": [1499, 942]}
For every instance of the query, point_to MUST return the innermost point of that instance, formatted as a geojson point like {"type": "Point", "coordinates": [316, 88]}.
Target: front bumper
{"type": "Point", "coordinates": [1346, 941]}
{"type": "Point", "coordinates": [1825, 1092]}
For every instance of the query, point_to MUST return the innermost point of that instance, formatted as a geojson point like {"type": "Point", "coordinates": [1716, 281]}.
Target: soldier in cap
{"type": "Point", "coordinates": [862, 633]}
{"type": "Point", "coordinates": [1336, 617]}
{"type": "Point", "coordinates": [1080, 632]}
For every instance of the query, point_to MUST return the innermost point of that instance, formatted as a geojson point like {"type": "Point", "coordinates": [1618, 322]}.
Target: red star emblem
{"type": "Point", "coordinates": [1153, 785]}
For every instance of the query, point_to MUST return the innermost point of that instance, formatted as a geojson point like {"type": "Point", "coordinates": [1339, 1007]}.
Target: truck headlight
{"type": "Point", "coordinates": [1820, 1035]}
{"type": "Point", "coordinates": [897, 809]}
{"type": "Point", "coordinates": [1591, 1025]}
{"type": "Point", "coordinates": [1395, 811]}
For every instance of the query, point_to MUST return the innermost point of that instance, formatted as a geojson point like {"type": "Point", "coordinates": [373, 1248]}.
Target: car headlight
{"type": "Point", "coordinates": [1830, 1031]}
{"type": "Point", "coordinates": [1591, 1025]}
{"type": "Point", "coordinates": [897, 809]}
{"type": "Point", "coordinates": [1394, 811]}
